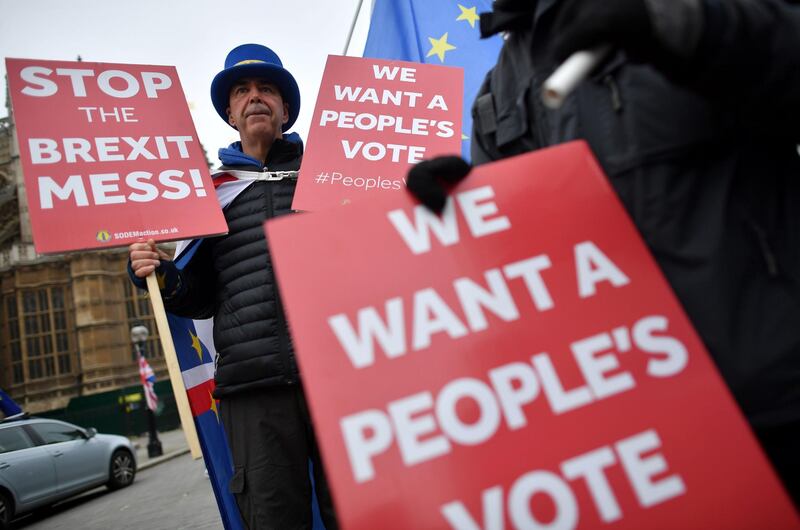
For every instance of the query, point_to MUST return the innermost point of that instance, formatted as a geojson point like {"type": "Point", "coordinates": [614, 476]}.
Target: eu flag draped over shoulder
{"type": "Point", "coordinates": [437, 32]}
{"type": "Point", "coordinates": [8, 406]}
{"type": "Point", "coordinates": [197, 368]}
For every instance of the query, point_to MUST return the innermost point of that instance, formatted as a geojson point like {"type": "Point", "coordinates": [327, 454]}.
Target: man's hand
{"type": "Point", "coordinates": [145, 257]}
{"type": "Point", "coordinates": [430, 180]}
{"type": "Point", "coordinates": [660, 32]}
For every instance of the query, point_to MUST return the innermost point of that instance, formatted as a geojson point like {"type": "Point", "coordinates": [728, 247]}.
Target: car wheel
{"type": "Point", "coordinates": [5, 511]}
{"type": "Point", "coordinates": [122, 469]}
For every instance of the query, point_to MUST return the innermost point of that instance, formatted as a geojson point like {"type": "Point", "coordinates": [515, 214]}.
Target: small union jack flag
{"type": "Point", "coordinates": [148, 380]}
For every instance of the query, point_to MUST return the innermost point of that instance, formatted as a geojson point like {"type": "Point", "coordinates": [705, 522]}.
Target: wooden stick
{"type": "Point", "coordinates": [175, 375]}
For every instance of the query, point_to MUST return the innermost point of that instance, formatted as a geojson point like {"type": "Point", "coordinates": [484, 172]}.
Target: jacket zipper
{"type": "Point", "coordinates": [284, 340]}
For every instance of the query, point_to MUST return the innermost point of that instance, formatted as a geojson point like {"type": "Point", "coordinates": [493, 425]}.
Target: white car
{"type": "Point", "coordinates": [43, 461]}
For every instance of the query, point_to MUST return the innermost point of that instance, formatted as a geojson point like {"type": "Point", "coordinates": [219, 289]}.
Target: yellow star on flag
{"type": "Point", "coordinates": [470, 15]}
{"type": "Point", "coordinates": [196, 345]}
{"type": "Point", "coordinates": [464, 136]}
{"type": "Point", "coordinates": [213, 406]}
{"type": "Point", "coordinates": [439, 47]}
{"type": "Point", "coordinates": [162, 279]}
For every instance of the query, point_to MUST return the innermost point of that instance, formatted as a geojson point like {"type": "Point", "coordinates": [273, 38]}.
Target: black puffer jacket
{"type": "Point", "coordinates": [231, 278]}
{"type": "Point", "coordinates": [706, 165]}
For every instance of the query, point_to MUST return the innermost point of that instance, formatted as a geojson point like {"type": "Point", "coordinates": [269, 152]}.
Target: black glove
{"type": "Point", "coordinates": [507, 15]}
{"type": "Point", "coordinates": [430, 180]}
{"type": "Point", "coordinates": [661, 32]}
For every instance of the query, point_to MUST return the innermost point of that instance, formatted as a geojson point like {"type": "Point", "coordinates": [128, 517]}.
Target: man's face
{"type": "Point", "coordinates": [256, 108]}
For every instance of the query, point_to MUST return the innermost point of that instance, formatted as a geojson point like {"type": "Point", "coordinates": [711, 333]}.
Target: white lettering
{"type": "Point", "coordinates": [76, 76]}
{"type": "Point", "coordinates": [492, 503]}
{"type": "Point", "coordinates": [546, 483]}
{"type": "Point", "coordinates": [594, 267]}
{"type": "Point", "coordinates": [512, 397]}
{"type": "Point", "coordinates": [135, 180]}
{"type": "Point", "coordinates": [676, 355]}
{"type": "Point", "coordinates": [360, 445]}
{"type": "Point", "coordinates": [46, 87]}
{"type": "Point", "coordinates": [105, 149]}
{"type": "Point", "coordinates": [416, 235]}
{"type": "Point", "coordinates": [437, 102]}
{"type": "Point", "coordinates": [390, 72]}
{"type": "Point", "coordinates": [409, 430]}
{"type": "Point", "coordinates": [560, 400]}
{"type": "Point", "coordinates": [488, 415]}
{"type": "Point", "coordinates": [640, 470]}
{"type": "Point", "coordinates": [131, 84]}
{"type": "Point", "coordinates": [474, 297]}
{"type": "Point", "coordinates": [77, 147]}
{"type": "Point", "coordinates": [359, 345]}
{"type": "Point", "coordinates": [170, 178]}
{"type": "Point", "coordinates": [476, 214]}
{"type": "Point", "coordinates": [155, 81]}
{"type": "Point", "coordinates": [43, 151]}
{"type": "Point", "coordinates": [589, 466]}
{"type": "Point", "coordinates": [104, 184]}
{"type": "Point", "coordinates": [432, 315]}
{"type": "Point", "coordinates": [72, 186]}
{"type": "Point", "coordinates": [530, 272]}
{"type": "Point", "coordinates": [594, 368]}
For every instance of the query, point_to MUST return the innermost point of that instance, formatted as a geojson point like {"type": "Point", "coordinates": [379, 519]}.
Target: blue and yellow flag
{"type": "Point", "coordinates": [8, 405]}
{"type": "Point", "coordinates": [197, 367]}
{"type": "Point", "coordinates": [437, 32]}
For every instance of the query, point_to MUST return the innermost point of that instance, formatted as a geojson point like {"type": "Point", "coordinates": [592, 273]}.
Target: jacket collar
{"type": "Point", "coordinates": [283, 150]}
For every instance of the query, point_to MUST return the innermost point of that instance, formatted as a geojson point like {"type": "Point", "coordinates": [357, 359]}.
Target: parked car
{"type": "Point", "coordinates": [43, 461]}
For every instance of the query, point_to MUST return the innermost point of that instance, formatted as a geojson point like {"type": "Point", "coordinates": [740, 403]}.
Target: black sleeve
{"type": "Point", "coordinates": [748, 59]}
{"type": "Point", "coordinates": [194, 295]}
{"type": "Point", "coordinates": [480, 151]}
{"type": "Point", "coordinates": [140, 283]}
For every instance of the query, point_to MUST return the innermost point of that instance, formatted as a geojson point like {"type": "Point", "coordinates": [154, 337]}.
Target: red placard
{"type": "Point", "coordinates": [110, 154]}
{"type": "Point", "coordinates": [373, 119]}
{"type": "Point", "coordinates": [519, 362]}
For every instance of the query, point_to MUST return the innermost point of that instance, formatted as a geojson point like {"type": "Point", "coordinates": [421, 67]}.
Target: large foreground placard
{"type": "Point", "coordinates": [373, 120]}
{"type": "Point", "coordinates": [519, 362]}
{"type": "Point", "coordinates": [109, 154]}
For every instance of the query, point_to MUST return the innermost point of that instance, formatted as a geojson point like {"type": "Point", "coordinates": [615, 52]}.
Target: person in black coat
{"type": "Point", "coordinates": [695, 118]}
{"type": "Point", "coordinates": [231, 279]}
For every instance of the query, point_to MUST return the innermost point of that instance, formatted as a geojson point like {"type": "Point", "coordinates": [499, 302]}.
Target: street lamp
{"type": "Point", "coordinates": [139, 336]}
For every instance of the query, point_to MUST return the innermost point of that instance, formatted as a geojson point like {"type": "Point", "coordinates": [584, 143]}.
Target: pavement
{"type": "Point", "coordinates": [173, 443]}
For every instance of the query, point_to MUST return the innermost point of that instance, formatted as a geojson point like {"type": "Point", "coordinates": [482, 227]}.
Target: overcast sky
{"type": "Point", "coordinates": [192, 35]}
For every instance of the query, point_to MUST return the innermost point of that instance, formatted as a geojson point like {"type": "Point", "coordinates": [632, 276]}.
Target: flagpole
{"type": "Point", "coordinates": [352, 27]}
{"type": "Point", "coordinates": [175, 376]}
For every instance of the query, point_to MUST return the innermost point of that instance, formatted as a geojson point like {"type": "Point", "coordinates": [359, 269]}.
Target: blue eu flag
{"type": "Point", "coordinates": [197, 368]}
{"type": "Point", "coordinates": [8, 405]}
{"type": "Point", "coordinates": [437, 32]}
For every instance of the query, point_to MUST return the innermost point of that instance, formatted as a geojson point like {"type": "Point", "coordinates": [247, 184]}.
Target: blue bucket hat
{"type": "Point", "coordinates": [255, 60]}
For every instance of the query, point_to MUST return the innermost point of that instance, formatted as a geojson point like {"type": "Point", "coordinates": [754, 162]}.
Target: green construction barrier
{"type": "Point", "coordinates": [121, 411]}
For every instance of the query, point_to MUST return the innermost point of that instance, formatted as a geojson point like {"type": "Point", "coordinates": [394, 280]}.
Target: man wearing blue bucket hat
{"type": "Point", "coordinates": [231, 279]}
